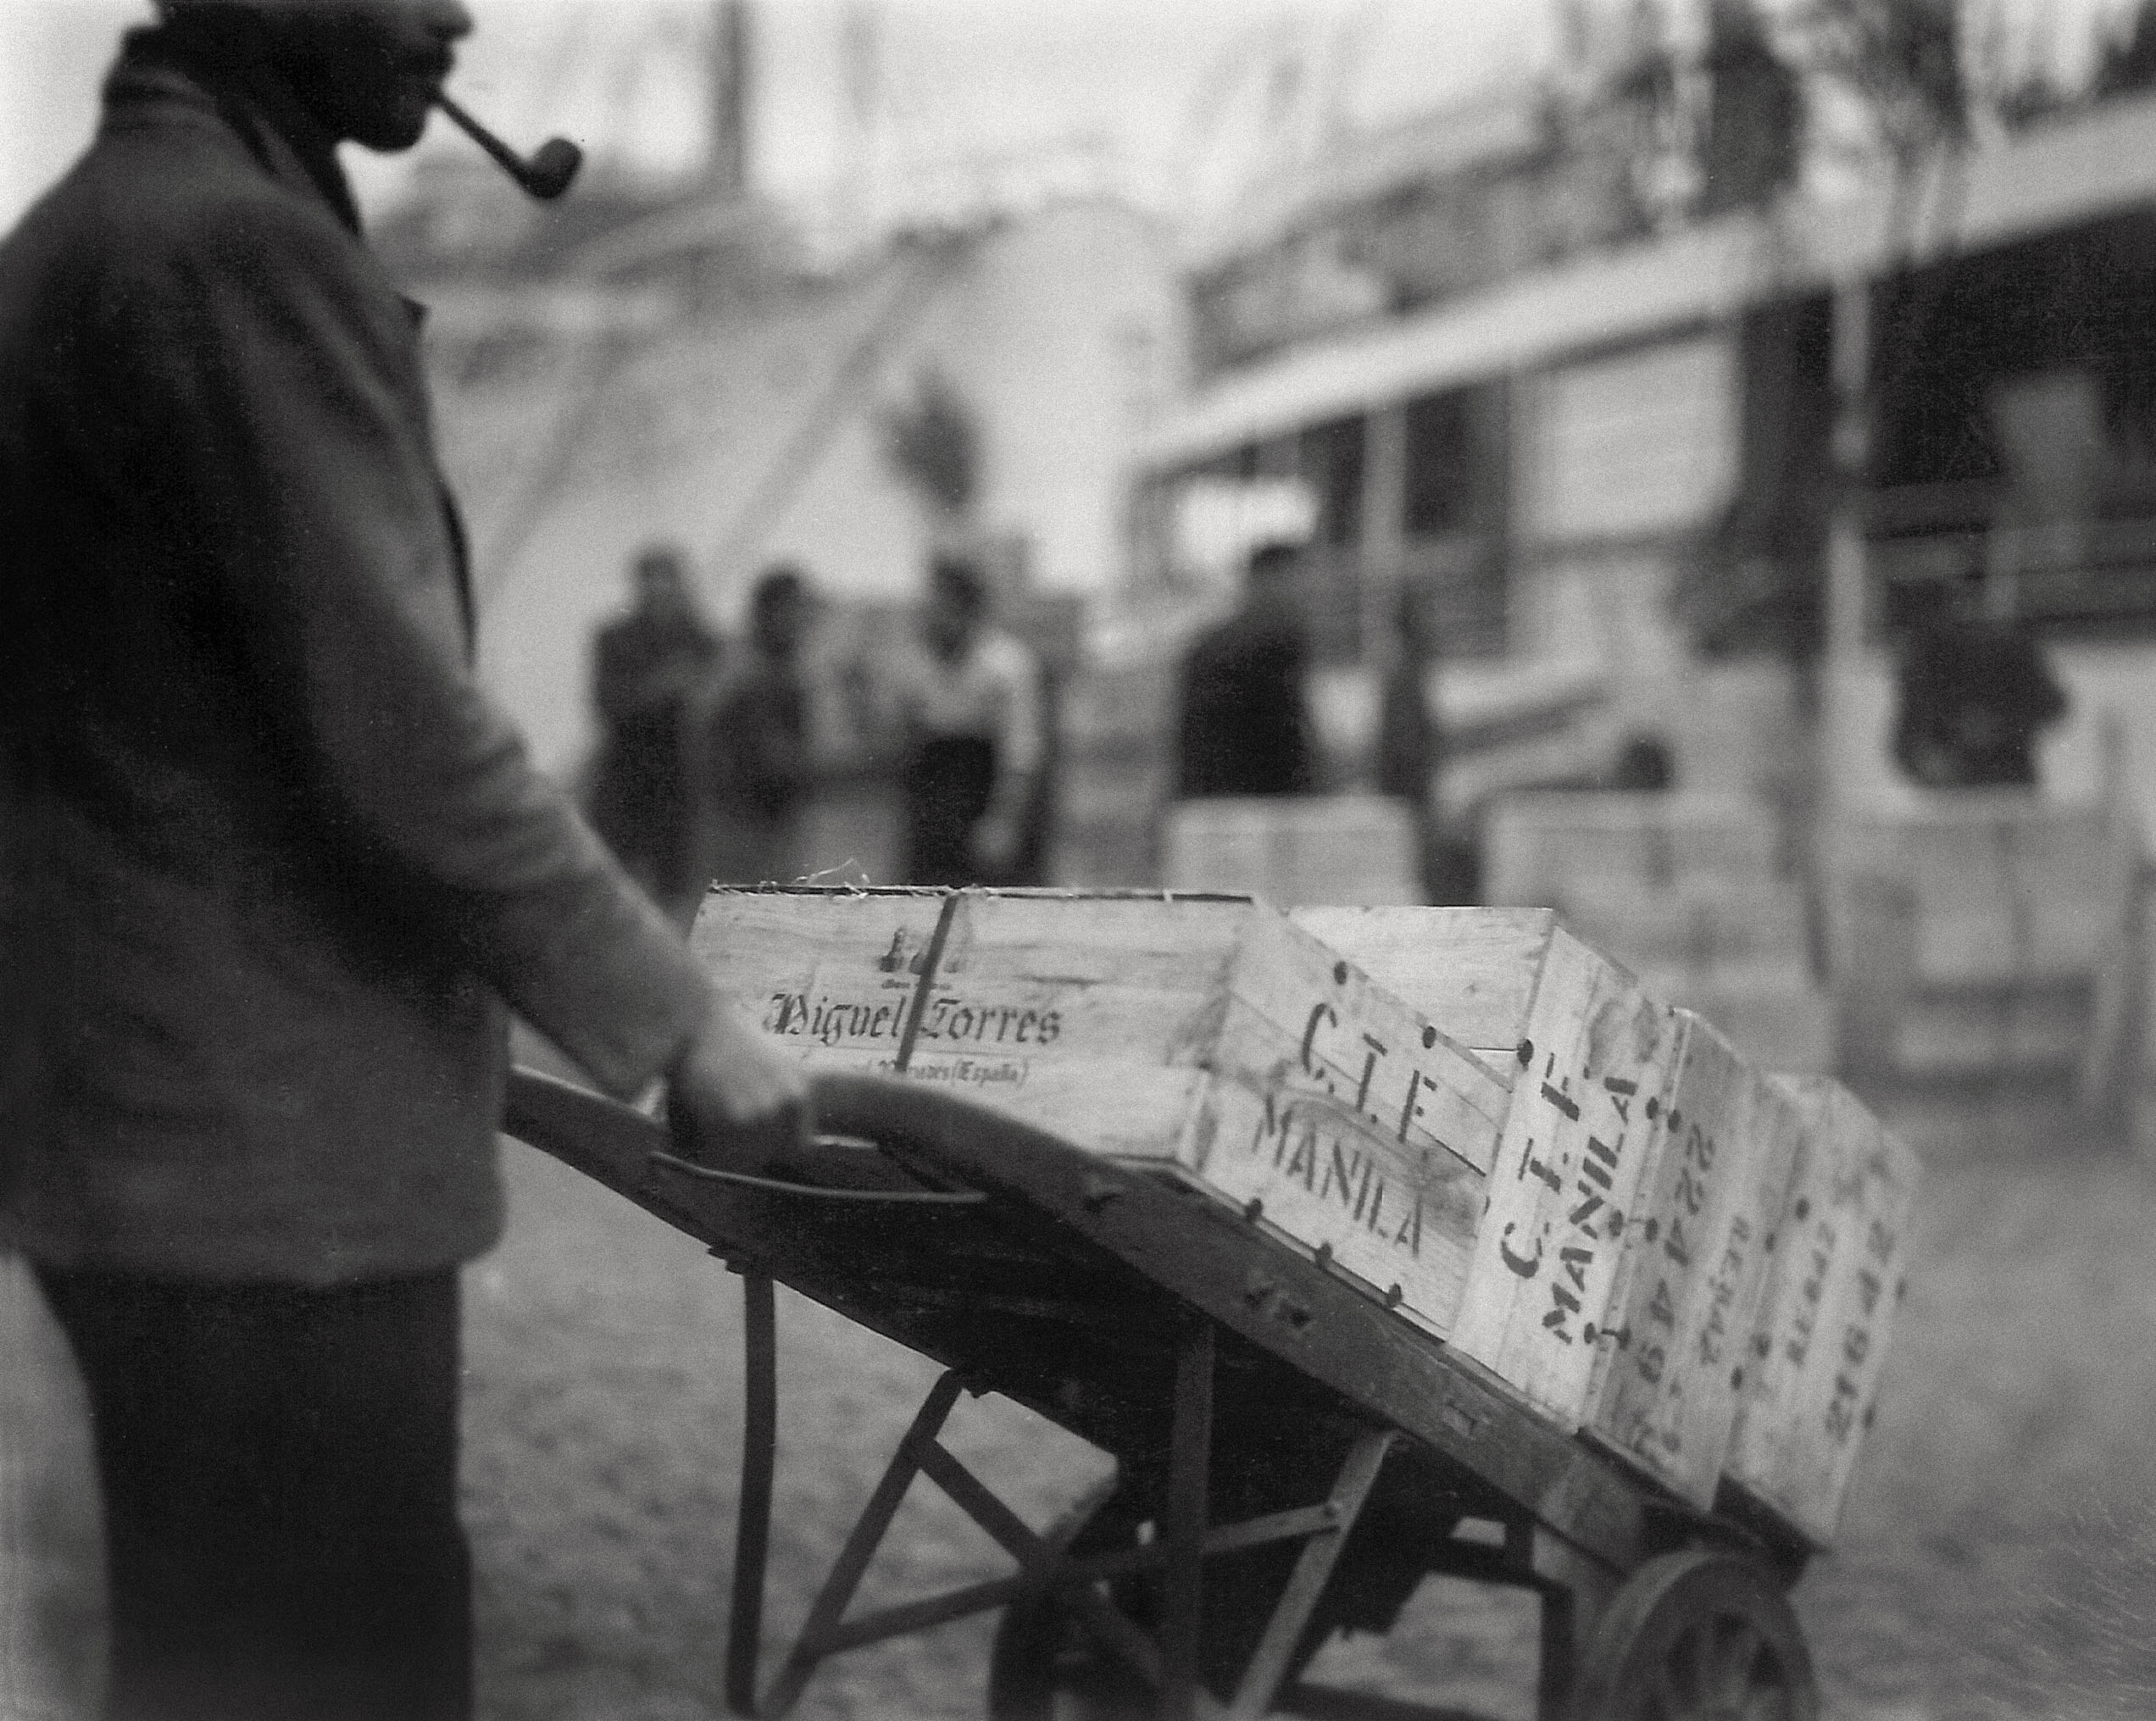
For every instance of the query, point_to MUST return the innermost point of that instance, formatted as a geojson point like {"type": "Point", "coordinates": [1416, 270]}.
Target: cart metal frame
{"type": "Point", "coordinates": [986, 1200]}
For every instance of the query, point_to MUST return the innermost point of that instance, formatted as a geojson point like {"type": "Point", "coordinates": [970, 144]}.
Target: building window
{"type": "Point", "coordinates": [1441, 468]}
{"type": "Point", "coordinates": [1329, 459]}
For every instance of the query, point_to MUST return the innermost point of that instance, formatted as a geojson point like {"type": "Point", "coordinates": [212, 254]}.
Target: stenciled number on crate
{"type": "Point", "coordinates": [1672, 1266]}
{"type": "Point", "coordinates": [1841, 1417]}
{"type": "Point", "coordinates": [1698, 1160]}
{"type": "Point", "coordinates": [1804, 1317]}
{"type": "Point", "coordinates": [1729, 1275]}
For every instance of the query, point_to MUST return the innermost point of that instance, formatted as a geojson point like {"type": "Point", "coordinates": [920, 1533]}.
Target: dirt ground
{"type": "Point", "coordinates": [1998, 1556]}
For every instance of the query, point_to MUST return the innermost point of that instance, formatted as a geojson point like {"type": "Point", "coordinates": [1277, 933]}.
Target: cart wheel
{"type": "Point", "coordinates": [1696, 1636]}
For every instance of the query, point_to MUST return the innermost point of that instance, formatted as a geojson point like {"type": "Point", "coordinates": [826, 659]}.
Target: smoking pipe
{"type": "Point", "coordinates": [545, 175]}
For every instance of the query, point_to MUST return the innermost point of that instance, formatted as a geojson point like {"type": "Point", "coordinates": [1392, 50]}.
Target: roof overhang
{"type": "Point", "coordinates": [2103, 163]}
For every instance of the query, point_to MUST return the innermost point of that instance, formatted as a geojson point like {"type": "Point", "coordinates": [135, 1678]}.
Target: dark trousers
{"type": "Point", "coordinates": [279, 1474]}
{"type": "Point", "coordinates": [945, 788]}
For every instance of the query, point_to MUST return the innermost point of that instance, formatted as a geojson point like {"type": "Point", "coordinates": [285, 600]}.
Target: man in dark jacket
{"type": "Point", "coordinates": [751, 755]}
{"type": "Point", "coordinates": [1244, 727]}
{"type": "Point", "coordinates": [1974, 696]}
{"type": "Point", "coordinates": [1411, 752]}
{"type": "Point", "coordinates": [273, 866]}
{"type": "Point", "coordinates": [649, 667]}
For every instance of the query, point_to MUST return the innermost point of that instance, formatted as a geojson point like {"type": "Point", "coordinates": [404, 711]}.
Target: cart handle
{"type": "Point", "coordinates": [893, 1197]}
{"type": "Point", "coordinates": [602, 1136]}
{"type": "Point", "coordinates": [890, 1109]}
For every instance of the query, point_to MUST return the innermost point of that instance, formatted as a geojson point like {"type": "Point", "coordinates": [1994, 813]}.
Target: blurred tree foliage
{"type": "Point", "coordinates": [2128, 64]}
{"type": "Point", "coordinates": [1753, 581]}
{"type": "Point", "coordinates": [933, 442]}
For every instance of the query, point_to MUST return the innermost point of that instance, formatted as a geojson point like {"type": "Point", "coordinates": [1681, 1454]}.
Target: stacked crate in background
{"type": "Point", "coordinates": [1471, 1114]}
{"type": "Point", "coordinates": [1969, 935]}
{"type": "Point", "coordinates": [1116, 744]}
{"type": "Point", "coordinates": [1292, 850]}
{"type": "Point", "coordinates": [1690, 891]}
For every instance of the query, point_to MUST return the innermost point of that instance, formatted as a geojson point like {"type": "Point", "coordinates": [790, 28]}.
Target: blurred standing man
{"type": "Point", "coordinates": [969, 698]}
{"type": "Point", "coordinates": [1245, 727]}
{"type": "Point", "coordinates": [752, 749]}
{"type": "Point", "coordinates": [276, 864]}
{"type": "Point", "coordinates": [646, 668]}
{"type": "Point", "coordinates": [1974, 696]}
{"type": "Point", "coordinates": [1411, 752]}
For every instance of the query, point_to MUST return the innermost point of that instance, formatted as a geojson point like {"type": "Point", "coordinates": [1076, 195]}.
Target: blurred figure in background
{"type": "Point", "coordinates": [1245, 727]}
{"type": "Point", "coordinates": [1975, 695]}
{"type": "Point", "coordinates": [967, 701]}
{"type": "Point", "coordinates": [1644, 765]}
{"type": "Point", "coordinates": [1411, 752]}
{"type": "Point", "coordinates": [646, 667]}
{"type": "Point", "coordinates": [751, 752]}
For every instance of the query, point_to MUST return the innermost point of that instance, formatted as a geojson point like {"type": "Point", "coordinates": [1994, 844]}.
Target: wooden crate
{"type": "Point", "coordinates": [1819, 1335]}
{"type": "Point", "coordinates": [1538, 848]}
{"type": "Point", "coordinates": [1639, 1155]}
{"type": "Point", "coordinates": [2003, 887]}
{"type": "Point", "coordinates": [1951, 994]}
{"type": "Point", "coordinates": [1667, 1386]}
{"type": "Point", "coordinates": [1775, 1015]}
{"type": "Point", "coordinates": [1706, 926]}
{"type": "Point", "coordinates": [1208, 1036]}
{"type": "Point", "coordinates": [1294, 849]}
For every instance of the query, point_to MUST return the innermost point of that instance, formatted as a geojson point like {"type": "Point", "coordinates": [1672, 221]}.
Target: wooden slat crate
{"type": "Point", "coordinates": [1206, 1036]}
{"type": "Point", "coordinates": [1666, 1387]}
{"type": "Point", "coordinates": [1539, 847]}
{"type": "Point", "coordinates": [1294, 849]}
{"type": "Point", "coordinates": [1619, 1259]}
{"type": "Point", "coordinates": [1739, 954]}
{"type": "Point", "coordinates": [2003, 887]}
{"type": "Point", "coordinates": [1819, 1335]}
{"type": "Point", "coordinates": [1775, 1015]}
{"type": "Point", "coordinates": [1704, 925]}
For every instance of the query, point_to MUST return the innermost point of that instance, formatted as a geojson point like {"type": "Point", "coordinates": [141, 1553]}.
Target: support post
{"type": "Point", "coordinates": [1848, 581]}
{"type": "Point", "coordinates": [753, 1524]}
{"type": "Point", "coordinates": [817, 1636]}
{"type": "Point", "coordinates": [1189, 1450]}
{"type": "Point", "coordinates": [1268, 1668]}
{"type": "Point", "coordinates": [1554, 1671]}
{"type": "Point", "coordinates": [1381, 554]}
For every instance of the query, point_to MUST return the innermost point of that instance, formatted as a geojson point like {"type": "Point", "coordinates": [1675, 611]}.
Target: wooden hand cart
{"type": "Point", "coordinates": [1292, 1459]}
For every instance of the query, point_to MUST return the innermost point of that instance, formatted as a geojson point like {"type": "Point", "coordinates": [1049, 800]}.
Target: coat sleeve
{"type": "Point", "coordinates": [282, 440]}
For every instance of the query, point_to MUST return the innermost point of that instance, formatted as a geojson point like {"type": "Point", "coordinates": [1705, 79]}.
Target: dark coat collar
{"type": "Point", "coordinates": [214, 63]}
